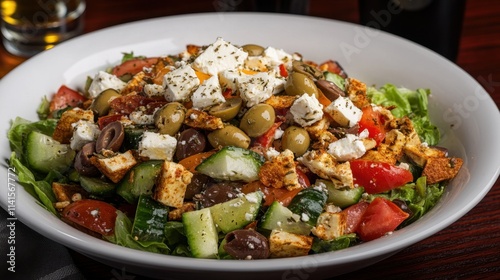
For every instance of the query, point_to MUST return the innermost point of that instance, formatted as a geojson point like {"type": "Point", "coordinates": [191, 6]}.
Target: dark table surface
{"type": "Point", "coordinates": [470, 247]}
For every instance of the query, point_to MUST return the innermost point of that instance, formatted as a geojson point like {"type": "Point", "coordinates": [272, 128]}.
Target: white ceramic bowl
{"type": "Point", "coordinates": [371, 56]}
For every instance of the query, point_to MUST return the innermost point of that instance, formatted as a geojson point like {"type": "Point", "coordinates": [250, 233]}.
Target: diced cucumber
{"type": "Point", "coordinates": [236, 213]}
{"type": "Point", "coordinates": [341, 197]}
{"type": "Point", "coordinates": [97, 187]}
{"type": "Point", "coordinates": [232, 163]}
{"type": "Point", "coordinates": [281, 218]}
{"type": "Point", "coordinates": [309, 204]}
{"type": "Point", "coordinates": [132, 137]}
{"type": "Point", "coordinates": [43, 153]}
{"type": "Point", "coordinates": [139, 180]}
{"type": "Point", "coordinates": [150, 220]}
{"type": "Point", "coordinates": [201, 233]}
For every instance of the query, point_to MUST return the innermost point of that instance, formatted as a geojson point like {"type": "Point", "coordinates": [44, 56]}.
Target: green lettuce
{"type": "Point", "coordinates": [339, 243]}
{"type": "Point", "coordinates": [21, 127]}
{"type": "Point", "coordinates": [411, 103]}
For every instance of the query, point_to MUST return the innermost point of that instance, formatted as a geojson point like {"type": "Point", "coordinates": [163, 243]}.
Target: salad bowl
{"type": "Point", "coordinates": [371, 56]}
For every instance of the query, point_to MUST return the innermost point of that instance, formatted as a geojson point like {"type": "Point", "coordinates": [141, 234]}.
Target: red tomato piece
{"type": "Point", "coordinates": [381, 216]}
{"type": "Point", "coordinates": [283, 71]}
{"type": "Point", "coordinates": [65, 97]}
{"type": "Point", "coordinates": [374, 122]}
{"type": "Point", "coordinates": [133, 66]}
{"type": "Point", "coordinates": [105, 120]}
{"type": "Point", "coordinates": [303, 179]}
{"type": "Point", "coordinates": [266, 139]}
{"type": "Point", "coordinates": [128, 103]}
{"type": "Point", "coordinates": [354, 215]}
{"type": "Point", "coordinates": [95, 215]}
{"type": "Point", "coordinates": [378, 177]}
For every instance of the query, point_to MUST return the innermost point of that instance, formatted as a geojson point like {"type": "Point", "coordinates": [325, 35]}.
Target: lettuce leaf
{"type": "Point", "coordinates": [341, 242]}
{"type": "Point", "coordinates": [21, 127]}
{"type": "Point", "coordinates": [411, 103]}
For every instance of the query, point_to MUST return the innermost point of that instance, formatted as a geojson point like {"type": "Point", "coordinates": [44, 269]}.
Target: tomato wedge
{"type": "Point", "coordinates": [65, 97]}
{"type": "Point", "coordinates": [380, 217]}
{"type": "Point", "coordinates": [95, 215]}
{"type": "Point", "coordinates": [354, 214]}
{"type": "Point", "coordinates": [374, 122]}
{"type": "Point", "coordinates": [133, 66]}
{"type": "Point", "coordinates": [378, 177]}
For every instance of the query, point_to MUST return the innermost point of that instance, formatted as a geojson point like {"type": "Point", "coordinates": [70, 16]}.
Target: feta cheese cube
{"type": "Point", "coordinates": [141, 118]}
{"type": "Point", "coordinates": [83, 133]}
{"type": "Point", "coordinates": [275, 57]}
{"type": "Point", "coordinates": [180, 83]}
{"type": "Point", "coordinates": [343, 111]}
{"type": "Point", "coordinates": [103, 81]}
{"type": "Point", "coordinates": [306, 110]}
{"type": "Point", "coordinates": [228, 79]}
{"type": "Point", "coordinates": [256, 88]}
{"type": "Point", "coordinates": [347, 148]}
{"type": "Point", "coordinates": [172, 184]}
{"type": "Point", "coordinates": [218, 57]}
{"type": "Point", "coordinates": [115, 167]}
{"type": "Point", "coordinates": [330, 225]}
{"type": "Point", "coordinates": [207, 94]}
{"type": "Point", "coordinates": [157, 146]}
{"type": "Point", "coordinates": [153, 90]}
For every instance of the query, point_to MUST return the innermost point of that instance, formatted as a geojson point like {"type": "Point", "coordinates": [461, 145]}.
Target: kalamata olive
{"type": "Point", "coordinates": [309, 70]}
{"type": "Point", "coordinates": [340, 132]}
{"type": "Point", "coordinates": [253, 50]}
{"type": "Point", "coordinates": [220, 192]}
{"type": "Point", "coordinates": [83, 165]}
{"type": "Point", "coordinates": [111, 137]}
{"type": "Point", "coordinates": [298, 84]}
{"type": "Point", "coordinates": [227, 110]}
{"type": "Point", "coordinates": [198, 183]}
{"type": "Point", "coordinates": [190, 142]}
{"type": "Point", "coordinates": [169, 118]}
{"type": "Point", "coordinates": [100, 106]}
{"type": "Point", "coordinates": [258, 119]}
{"type": "Point", "coordinates": [296, 139]}
{"type": "Point", "coordinates": [329, 89]}
{"type": "Point", "coordinates": [229, 135]}
{"type": "Point", "coordinates": [402, 204]}
{"type": "Point", "coordinates": [244, 244]}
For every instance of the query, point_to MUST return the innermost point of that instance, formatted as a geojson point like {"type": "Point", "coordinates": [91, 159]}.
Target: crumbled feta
{"type": "Point", "coordinates": [157, 146]}
{"type": "Point", "coordinates": [83, 133]}
{"type": "Point", "coordinates": [228, 79]}
{"type": "Point", "coordinates": [256, 88]}
{"type": "Point", "coordinates": [344, 112]}
{"type": "Point", "coordinates": [347, 148]}
{"type": "Point", "coordinates": [103, 81]}
{"type": "Point", "coordinates": [276, 57]}
{"type": "Point", "coordinates": [306, 110]}
{"type": "Point", "coordinates": [278, 133]}
{"type": "Point", "coordinates": [207, 94]}
{"type": "Point", "coordinates": [180, 83]}
{"type": "Point", "coordinates": [154, 90]}
{"type": "Point", "coordinates": [219, 56]}
{"type": "Point", "coordinates": [141, 118]}
{"type": "Point", "coordinates": [271, 153]}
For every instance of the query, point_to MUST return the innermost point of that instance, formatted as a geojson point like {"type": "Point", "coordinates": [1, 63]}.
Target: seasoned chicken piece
{"type": "Point", "coordinates": [115, 167]}
{"type": "Point", "coordinates": [135, 84]}
{"type": "Point", "coordinates": [64, 129]}
{"type": "Point", "coordinates": [283, 244]}
{"type": "Point", "coordinates": [323, 141]}
{"type": "Point", "coordinates": [280, 102]}
{"type": "Point", "coordinates": [440, 169]}
{"type": "Point", "coordinates": [356, 91]}
{"type": "Point", "coordinates": [280, 172]}
{"type": "Point", "coordinates": [420, 153]}
{"type": "Point", "coordinates": [172, 183]}
{"type": "Point", "coordinates": [200, 119]}
{"type": "Point", "coordinates": [325, 166]}
{"type": "Point", "coordinates": [330, 225]}
{"type": "Point", "coordinates": [389, 151]}
{"type": "Point", "coordinates": [405, 126]}
{"type": "Point", "coordinates": [176, 214]}
{"type": "Point", "coordinates": [317, 129]}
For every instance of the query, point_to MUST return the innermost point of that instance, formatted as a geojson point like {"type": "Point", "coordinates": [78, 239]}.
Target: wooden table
{"type": "Point", "coordinates": [469, 248]}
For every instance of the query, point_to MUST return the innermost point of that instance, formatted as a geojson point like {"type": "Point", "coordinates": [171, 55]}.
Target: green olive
{"type": "Point", "coordinates": [298, 84]}
{"type": "Point", "coordinates": [253, 50]}
{"type": "Point", "coordinates": [169, 118]}
{"type": "Point", "coordinates": [309, 70]}
{"type": "Point", "coordinates": [100, 106]}
{"type": "Point", "coordinates": [229, 135]}
{"type": "Point", "coordinates": [227, 110]}
{"type": "Point", "coordinates": [296, 139]}
{"type": "Point", "coordinates": [258, 119]}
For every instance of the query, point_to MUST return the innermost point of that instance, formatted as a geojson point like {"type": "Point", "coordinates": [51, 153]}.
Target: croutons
{"type": "Point", "coordinates": [330, 225]}
{"type": "Point", "coordinates": [171, 185]}
{"type": "Point", "coordinates": [280, 102]}
{"type": "Point", "coordinates": [356, 91]}
{"type": "Point", "coordinates": [135, 85]}
{"type": "Point", "coordinates": [176, 214]}
{"type": "Point", "coordinates": [390, 151]}
{"type": "Point", "coordinates": [280, 172]}
{"type": "Point", "coordinates": [325, 166]}
{"type": "Point", "coordinates": [64, 131]}
{"type": "Point", "coordinates": [440, 169]}
{"type": "Point", "coordinates": [283, 244]}
{"type": "Point", "coordinates": [116, 166]}
{"type": "Point", "coordinates": [199, 119]}
{"type": "Point", "coordinates": [419, 154]}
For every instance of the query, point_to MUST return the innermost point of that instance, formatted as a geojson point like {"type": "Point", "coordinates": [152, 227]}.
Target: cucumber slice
{"type": "Point", "coordinates": [132, 137]}
{"type": "Point", "coordinates": [150, 220]}
{"type": "Point", "coordinates": [278, 217]}
{"type": "Point", "coordinates": [341, 197]}
{"type": "Point", "coordinates": [233, 164]}
{"type": "Point", "coordinates": [97, 187]}
{"type": "Point", "coordinates": [309, 204]}
{"type": "Point", "coordinates": [139, 180]}
{"type": "Point", "coordinates": [236, 213]}
{"type": "Point", "coordinates": [43, 153]}
{"type": "Point", "coordinates": [201, 233]}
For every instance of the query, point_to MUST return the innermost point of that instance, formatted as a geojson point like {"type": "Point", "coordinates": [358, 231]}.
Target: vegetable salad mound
{"type": "Point", "coordinates": [232, 152]}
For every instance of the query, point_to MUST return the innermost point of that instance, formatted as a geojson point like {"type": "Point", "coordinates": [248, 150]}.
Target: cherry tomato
{"type": "Point", "coordinates": [380, 217]}
{"type": "Point", "coordinates": [95, 215]}
{"type": "Point", "coordinates": [378, 177]}
{"type": "Point", "coordinates": [133, 66]}
{"type": "Point", "coordinates": [65, 97]}
{"type": "Point", "coordinates": [354, 215]}
{"type": "Point", "coordinates": [374, 122]}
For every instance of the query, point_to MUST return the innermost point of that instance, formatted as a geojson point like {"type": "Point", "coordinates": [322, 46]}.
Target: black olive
{"type": "Point", "coordinates": [111, 137]}
{"type": "Point", "coordinates": [219, 192]}
{"type": "Point", "coordinates": [403, 206]}
{"type": "Point", "coordinates": [245, 244]}
{"type": "Point", "coordinates": [83, 165]}
{"type": "Point", "coordinates": [329, 89]}
{"type": "Point", "coordinates": [190, 142]}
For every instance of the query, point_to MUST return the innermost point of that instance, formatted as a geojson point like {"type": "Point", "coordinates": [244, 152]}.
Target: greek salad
{"type": "Point", "coordinates": [232, 152]}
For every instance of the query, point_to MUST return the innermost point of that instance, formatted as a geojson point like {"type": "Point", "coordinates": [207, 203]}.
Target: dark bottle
{"type": "Point", "coordinates": [435, 24]}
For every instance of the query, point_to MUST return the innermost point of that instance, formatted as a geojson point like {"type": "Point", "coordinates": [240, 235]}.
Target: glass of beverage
{"type": "Point", "coordinates": [31, 26]}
